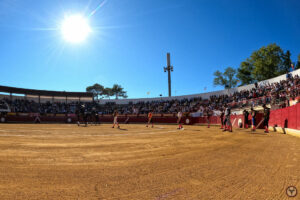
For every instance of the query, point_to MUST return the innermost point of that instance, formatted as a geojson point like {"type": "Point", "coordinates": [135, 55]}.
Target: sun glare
{"type": "Point", "coordinates": [75, 28]}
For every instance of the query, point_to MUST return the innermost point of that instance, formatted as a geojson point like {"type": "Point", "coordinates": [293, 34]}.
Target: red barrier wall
{"type": "Point", "coordinates": [30, 118]}
{"type": "Point", "coordinates": [286, 117]}
{"type": "Point", "coordinates": [298, 116]}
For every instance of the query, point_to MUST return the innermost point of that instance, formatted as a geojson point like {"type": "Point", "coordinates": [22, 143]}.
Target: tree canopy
{"type": "Point", "coordinates": [118, 91]}
{"type": "Point", "coordinates": [100, 91]}
{"type": "Point", "coordinates": [227, 78]}
{"type": "Point", "coordinates": [245, 73]}
{"type": "Point", "coordinates": [96, 89]}
{"type": "Point", "coordinates": [298, 63]}
{"type": "Point", "coordinates": [265, 63]}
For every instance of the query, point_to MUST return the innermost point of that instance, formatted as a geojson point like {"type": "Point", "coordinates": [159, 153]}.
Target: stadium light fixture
{"type": "Point", "coordinates": [169, 69]}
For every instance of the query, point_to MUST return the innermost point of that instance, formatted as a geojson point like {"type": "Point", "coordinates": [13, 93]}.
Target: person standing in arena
{"type": "Point", "coordinates": [81, 112]}
{"type": "Point", "coordinates": [246, 116]}
{"type": "Point", "coordinates": [228, 125]}
{"type": "Point", "coordinates": [222, 118]}
{"type": "Point", "coordinates": [95, 116]}
{"type": "Point", "coordinates": [78, 110]}
{"type": "Point", "coordinates": [115, 115]}
{"type": "Point", "coordinates": [86, 116]}
{"type": "Point", "coordinates": [253, 115]}
{"type": "Point", "coordinates": [225, 119]}
{"type": "Point", "coordinates": [179, 116]}
{"type": "Point", "coordinates": [266, 118]}
{"type": "Point", "coordinates": [150, 120]}
{"type": "Point", "coordinates": [208, 114]}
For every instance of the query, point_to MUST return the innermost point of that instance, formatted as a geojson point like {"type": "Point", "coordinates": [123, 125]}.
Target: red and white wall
{"type": "Point", "coordinates": [163, 119]}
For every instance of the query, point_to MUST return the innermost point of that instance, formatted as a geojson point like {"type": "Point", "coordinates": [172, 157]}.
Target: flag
{"type": "Point", "coordinates": [292, 65]}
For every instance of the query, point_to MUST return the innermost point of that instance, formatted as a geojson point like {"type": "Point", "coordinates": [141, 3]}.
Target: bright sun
{"type": "Point", "coordinates": [75, 28]}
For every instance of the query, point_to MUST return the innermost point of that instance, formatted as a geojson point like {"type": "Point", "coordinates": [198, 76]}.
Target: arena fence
{"type": "Point", "coordinates": [288, 117]}
{"type": "Point", "coordinates": [237, 120]}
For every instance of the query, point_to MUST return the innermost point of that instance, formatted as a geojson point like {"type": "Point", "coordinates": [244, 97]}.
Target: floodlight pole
{"type": "Point", "coordinates": [169, 68]}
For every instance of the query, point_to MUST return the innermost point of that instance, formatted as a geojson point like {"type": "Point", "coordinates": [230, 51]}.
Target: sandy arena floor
{"type": "Point", "coordinates": [69, 162]}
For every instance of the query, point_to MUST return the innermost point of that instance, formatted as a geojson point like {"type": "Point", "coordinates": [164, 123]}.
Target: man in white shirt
{"type": "Point", "coordinates": [179, 116]}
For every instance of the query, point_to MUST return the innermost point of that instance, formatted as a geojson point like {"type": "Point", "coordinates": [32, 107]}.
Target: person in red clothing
{"type": "Point", "coordinates": [115, 115]}
{"type": "Point", "coordinates": [179, 116]}
{"type": "Point", "coordinates": [150, 120]}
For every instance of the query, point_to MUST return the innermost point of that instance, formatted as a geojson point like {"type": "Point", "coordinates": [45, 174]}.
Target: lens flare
{"type": "Point", "coordinates": [97, 8]}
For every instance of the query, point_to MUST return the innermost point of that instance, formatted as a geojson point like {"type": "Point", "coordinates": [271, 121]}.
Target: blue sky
{"type": "Point", "coordinates": [130, 40]}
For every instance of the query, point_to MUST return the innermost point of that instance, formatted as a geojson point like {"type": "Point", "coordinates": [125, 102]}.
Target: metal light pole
{"type": "Point", "coordinates": [169, 68]}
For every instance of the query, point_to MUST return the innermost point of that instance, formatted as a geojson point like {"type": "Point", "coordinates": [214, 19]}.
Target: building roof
{"type": "Point", "coordinates": [15, 90]}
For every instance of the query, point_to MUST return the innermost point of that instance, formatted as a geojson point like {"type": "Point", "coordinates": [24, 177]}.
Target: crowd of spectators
{"type": "Point", "coordinates": [277, 94]}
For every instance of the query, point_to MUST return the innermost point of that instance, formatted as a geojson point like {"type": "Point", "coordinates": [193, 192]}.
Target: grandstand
{"type": "Point", "coordinates": [41, 96]}
{"type": "Point", "coordinates": [55, 106]}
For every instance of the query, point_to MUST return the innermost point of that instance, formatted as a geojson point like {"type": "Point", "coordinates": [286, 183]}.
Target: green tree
{"type": "Point", "coordinates": [227, 79]}
{"type": "Point", "coordinates": [108, 92]}
{"type": "Point", "coordinates": [287, 62]}
{"type": "Point", "coordinates": [118, 91]}
{"type": "Point", "coordinates": [96, 89]}
{"type": "Point", "coordinates": [244, 73]}
{"type": "Point", "coordinates": [265, 63]}
{"type": "Point", "coordinates": [298, 63]}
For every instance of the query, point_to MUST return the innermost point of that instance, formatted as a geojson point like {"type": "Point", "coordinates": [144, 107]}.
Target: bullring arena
{"type": "Point", "coordinates": [64, 161]}
{"type": "Point", "coordinates": [92, 107]}
{"type": "Point", "coordinates": [45, 155]}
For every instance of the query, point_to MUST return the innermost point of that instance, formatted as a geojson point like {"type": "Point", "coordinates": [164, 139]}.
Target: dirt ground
{"type": "Point", "coordinates": [60, 161]}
